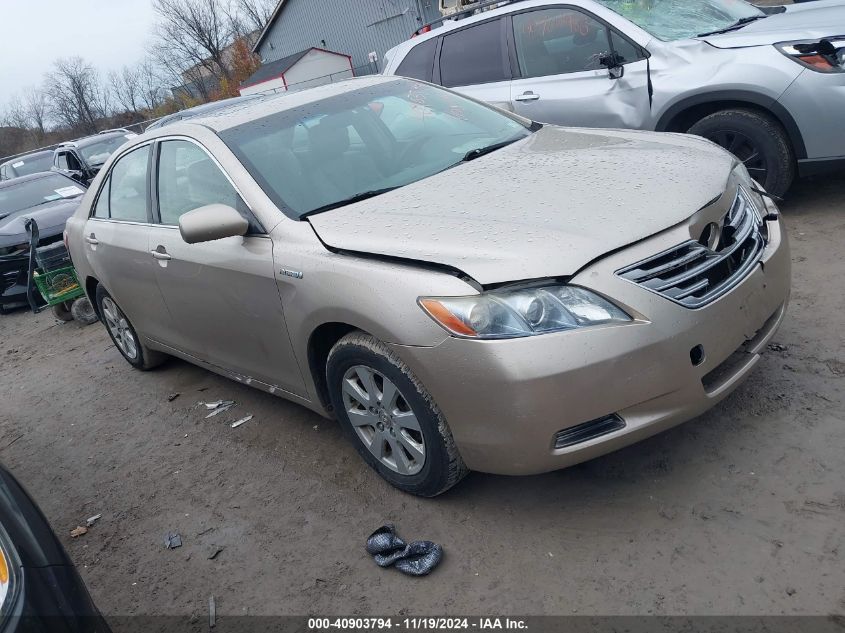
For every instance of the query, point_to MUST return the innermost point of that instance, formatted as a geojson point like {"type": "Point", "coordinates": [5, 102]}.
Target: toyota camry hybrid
{"type": "Point", "coordinates": [462, 288]}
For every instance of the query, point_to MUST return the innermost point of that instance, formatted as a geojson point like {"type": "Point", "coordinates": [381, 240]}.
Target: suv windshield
{"type": "Point", "coordinates": [681, 19]}
{"type": "Point", "coordinates": [365, 142]}
{"type": "Point", "coordinates": [97, 153]}
{"type": "Point", "coordinates": [31, 193]}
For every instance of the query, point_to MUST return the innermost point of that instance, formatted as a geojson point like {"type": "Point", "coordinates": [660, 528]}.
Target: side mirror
{"type": "Point", "coordinates": [613, 62]}
{"type": "Point", "coordinates": [212, 222]}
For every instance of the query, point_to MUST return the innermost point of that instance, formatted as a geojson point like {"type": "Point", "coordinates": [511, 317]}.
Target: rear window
{"type": "Point", "coordinates": [419, 62]}
{"type": "Point", "coordinates": [474, 55]}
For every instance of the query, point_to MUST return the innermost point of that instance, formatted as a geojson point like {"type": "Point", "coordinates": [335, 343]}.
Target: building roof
{"type": "Point", "coordinates": [271, 70]}
{"type": "Point", "coordinates": [275, 69]}
{"type": "Point", "coordinates": [268, 26]}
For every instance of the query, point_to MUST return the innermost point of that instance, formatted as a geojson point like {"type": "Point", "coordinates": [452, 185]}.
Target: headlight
{"type": "Point", "coordinates": [7, 575]}
{"type": "Point", "coordinates": [825, 56]}
{"type": "Point", "coordinates": [522, 312]}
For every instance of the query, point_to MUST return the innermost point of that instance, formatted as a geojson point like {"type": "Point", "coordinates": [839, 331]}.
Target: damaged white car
{"type": "Point", "coordinates": [768, 84]}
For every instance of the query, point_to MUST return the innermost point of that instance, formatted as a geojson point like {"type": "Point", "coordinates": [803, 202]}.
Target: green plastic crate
{"type": "Point", "coordinates": [58, 286]}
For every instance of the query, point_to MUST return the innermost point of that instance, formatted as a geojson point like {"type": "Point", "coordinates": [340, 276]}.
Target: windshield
{"type": "Point", "coordinates": [31, 193]}
{"type": "Point", "coordinates": [97, 153]}
{"type": "Point", "coordinates": [26, 165]}
{"type": "Point", "coordinates": [681, 19]}
{"type": "Point", "coordinates": [364, 141]}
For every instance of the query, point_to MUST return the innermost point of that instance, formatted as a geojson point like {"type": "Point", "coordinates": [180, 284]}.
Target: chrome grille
{"type": "Point", "coordinates": [694, 274]}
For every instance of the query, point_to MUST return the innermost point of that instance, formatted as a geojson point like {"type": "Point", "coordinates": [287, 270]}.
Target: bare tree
{"type": "Point", "coordinates": [14, 115]}
{"type": "Point", "coordinates": [150, 83]}
{"type": "Point", "coordinates": [248, 16]}
{"type": "Point", "coordinates": [35, 107]}
{"type": "Point", "coordinates": [75, 96]}
{"type": "Point", "coordinates": [192, 36]}
{"type": "Point", "coordinates": [126, 85]}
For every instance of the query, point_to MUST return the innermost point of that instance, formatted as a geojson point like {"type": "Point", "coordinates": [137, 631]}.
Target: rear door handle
{"type": "Point", "coordinates": [92, 239]}
{"type": "Point", "coordinates": [527, 96]}
{"type": "Point", "coordinates": [161, 255]}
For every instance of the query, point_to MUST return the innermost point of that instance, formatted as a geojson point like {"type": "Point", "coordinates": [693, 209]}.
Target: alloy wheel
{"type": "Point", "coordinates": [120, 330]}
{"type": "Point", "coordinates": [744, 149]}
{"type": "Point", "coordinates": [383, 420]}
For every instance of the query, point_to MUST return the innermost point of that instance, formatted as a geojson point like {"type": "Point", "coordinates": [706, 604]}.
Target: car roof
{"type": "Point", "coordinates": [205, 108]}
{"type": "Point", "coordinates": [95, 138]}
{"type": "Point", "coordinates": [37, 176]}
{"type": "Point", "coordinates": [271, 104]}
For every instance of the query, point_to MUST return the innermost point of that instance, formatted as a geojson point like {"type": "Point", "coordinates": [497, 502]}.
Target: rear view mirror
{"type": "Point", "coordinates": [212, 222]}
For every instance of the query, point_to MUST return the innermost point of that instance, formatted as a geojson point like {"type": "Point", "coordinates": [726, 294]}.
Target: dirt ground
{"type": "Point", "coordinates": [741, 511]}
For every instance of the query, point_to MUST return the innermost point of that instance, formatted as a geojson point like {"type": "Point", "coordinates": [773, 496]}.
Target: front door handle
{"type": "Point", "coordinates": [527, 96]}
{"type": "Point", "coordinates": [92, 239]}
{"type": "Point", "coordinates": [161, 254]}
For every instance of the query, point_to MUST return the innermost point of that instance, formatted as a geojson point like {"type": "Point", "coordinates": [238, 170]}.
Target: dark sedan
{"type": "Point", "coordinates": [40, 589]}
{"type": "Point", "coordinates": [50, 198]}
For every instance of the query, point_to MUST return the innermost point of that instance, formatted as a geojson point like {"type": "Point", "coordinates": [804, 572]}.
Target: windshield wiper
{"type": "Point", "coordinates": [358, 197]}
{"type": "Point", "coordinates": [736, 25]}
{"type": "Point", "coordinates": [478, 152]}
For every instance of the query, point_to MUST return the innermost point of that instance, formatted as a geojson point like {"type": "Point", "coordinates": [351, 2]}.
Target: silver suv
{"type": "Point", "coordinates": [767, 84]}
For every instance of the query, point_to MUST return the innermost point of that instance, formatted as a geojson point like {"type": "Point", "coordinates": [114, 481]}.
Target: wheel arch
{"type": "Point", "coordinates": [683, 114]}
{"type": "Point", "coordinates": [91, 284]}
{"type": "Point", "coordinates": [320, 343]}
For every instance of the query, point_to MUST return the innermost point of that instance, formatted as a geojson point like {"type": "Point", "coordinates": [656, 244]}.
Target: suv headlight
{"type": "Point", "coordinates": [826, 55]}
{"type": "Point", "coordinates": [7, 575]}
{"type": "Point", "coordinates": [522, 312]}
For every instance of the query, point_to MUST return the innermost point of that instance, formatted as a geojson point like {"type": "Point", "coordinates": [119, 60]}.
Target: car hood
{"type": "Point", "coordinates": [806, 21]}
{"type": "Point", "coordinates": [51, 218]}
{"type": "Point", "coordinates": [543, 207]}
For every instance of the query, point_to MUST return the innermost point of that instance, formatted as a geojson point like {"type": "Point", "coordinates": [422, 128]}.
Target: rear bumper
{"type": "Point", "coordinates": [506, 400]}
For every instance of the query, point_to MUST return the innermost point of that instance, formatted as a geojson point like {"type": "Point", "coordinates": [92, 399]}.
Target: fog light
{"type": "Point", "coordinates": [588, 430]}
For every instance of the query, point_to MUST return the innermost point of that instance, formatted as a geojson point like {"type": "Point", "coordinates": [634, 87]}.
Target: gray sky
{"type": "Point", "coordinates": [34, 33]}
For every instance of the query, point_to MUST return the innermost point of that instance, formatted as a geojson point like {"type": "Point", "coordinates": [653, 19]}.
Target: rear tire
{"type": "Point", "coordinates": [414, 449]}
{"type": "Point", "coordinates": [124, 336]}
{"type": "Point", "coordinates": [62, 311]}
{"type": "Point", "coordinates": [756, 139]}
{"type": "Point", "coordinates": [83, 311]}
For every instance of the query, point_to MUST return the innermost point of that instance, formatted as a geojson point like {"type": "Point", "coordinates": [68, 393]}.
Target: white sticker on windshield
{"type": "Point", "coordinates": [69, 192]}
{"type": "Point", "coordinates": [18, 164]}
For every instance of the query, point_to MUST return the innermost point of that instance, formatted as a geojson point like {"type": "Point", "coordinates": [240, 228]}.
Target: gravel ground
{"type": "Point", "coordinates": [741, 511]}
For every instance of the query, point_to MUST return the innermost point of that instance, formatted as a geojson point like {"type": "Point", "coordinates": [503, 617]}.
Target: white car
{"type": "Point", "coordinates": [767, 84]}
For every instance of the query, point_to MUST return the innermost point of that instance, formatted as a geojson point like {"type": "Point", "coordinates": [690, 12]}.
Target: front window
{"type": "Point", "coordinates": [365, 141]}
{"type": "Point", "coordinates": [680, 19]}
{"type": "Point", "coordinates": [557, 41]}
{"type": "Point", "coordinates": [32, 193]}
{"type": "Point", "coordinates": [97, 153]}
{"type": "Point", "coordinates": [189, 179]}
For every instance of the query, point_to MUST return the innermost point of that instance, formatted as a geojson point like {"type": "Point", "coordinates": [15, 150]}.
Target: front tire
{"type": "Point", "coordinates": [758, 140]}
{"type": "Point", "coordinates": [123, 334]}
{"type": "Point", "coordinates": [391, 418]}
